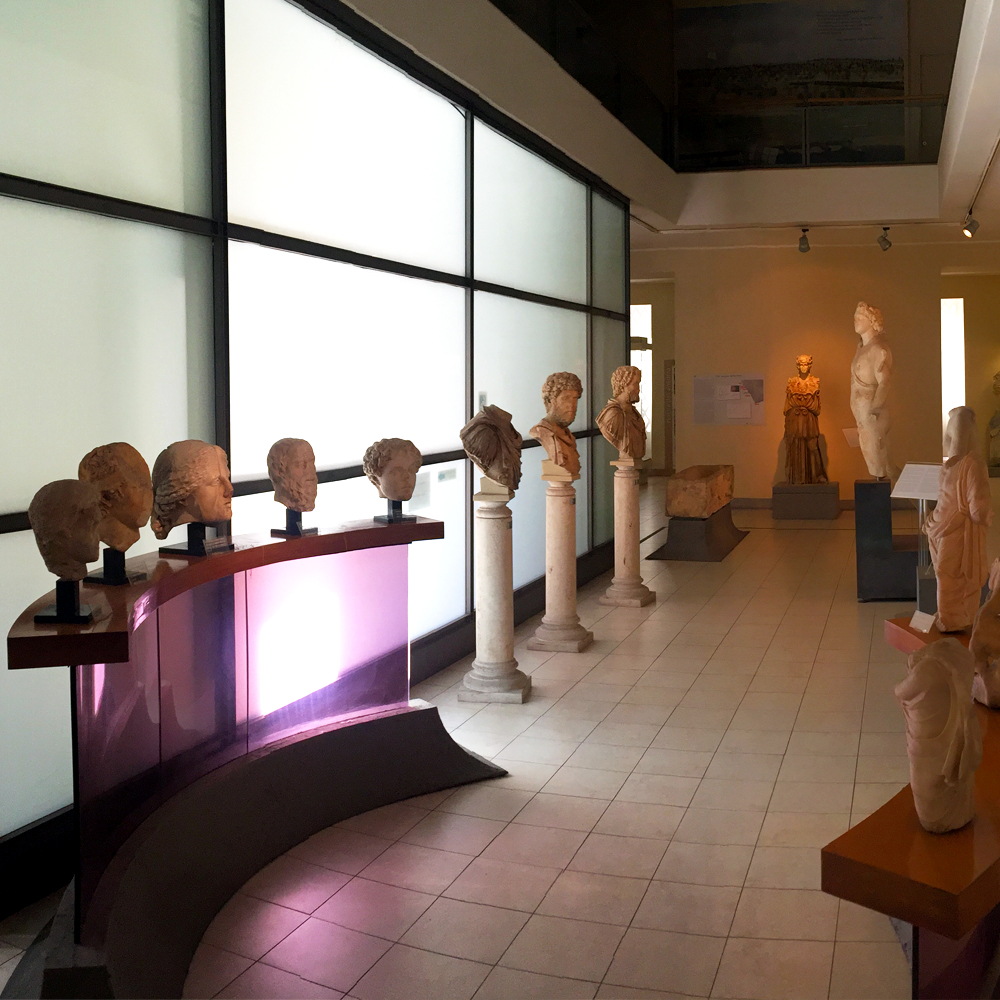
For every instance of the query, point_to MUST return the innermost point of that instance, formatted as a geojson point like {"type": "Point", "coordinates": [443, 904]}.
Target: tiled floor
{"type": "Point", "coordinates": [18, 931]}
{"type": "Point", "coordinates": [659, 833]}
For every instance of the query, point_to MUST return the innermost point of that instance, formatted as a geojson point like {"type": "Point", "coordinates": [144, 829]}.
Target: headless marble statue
{"type": "Point", "coordinates": [493, 443]}
{"type": "Point", "coordinates": [871, 371]}
{"type": "Point", "coordinates": [943, 737]}
{"type": "Point", "coordinates": [985, 645]}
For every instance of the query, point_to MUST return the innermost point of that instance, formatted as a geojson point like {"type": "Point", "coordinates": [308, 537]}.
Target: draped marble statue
{"type": "Point", "coordinates": [803, 458]}
{"type": "Point", "coordinates": [985, 645]}
{"type": "Point", "coordinates": [871, 372]}
{"type": "Point", "coordinates": [943, 739]}
{"type": "Point", "coordinates": [956, 528]}
{"type": "Point", "coordinates": [620, 422]}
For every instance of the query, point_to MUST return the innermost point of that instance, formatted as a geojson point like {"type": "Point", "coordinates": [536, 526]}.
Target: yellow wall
{"type": "Point", "coordinates": [754, 309]}
{"type": "Point", "coordinates": [659, 295]}
{"type": "Point", "coordinates": [982, 340]}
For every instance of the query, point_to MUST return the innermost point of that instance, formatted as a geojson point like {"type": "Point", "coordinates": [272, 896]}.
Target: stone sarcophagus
{"type": "Point", "coordinates": [699, 490]}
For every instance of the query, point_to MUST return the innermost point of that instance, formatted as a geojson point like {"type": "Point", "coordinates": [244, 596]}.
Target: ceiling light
{"type": "Point", "coordinates": [970, 227]}
{"type": "Point", "coordinates": [883, 241]}
{"type": "Point", "coordinates": [804, 242]}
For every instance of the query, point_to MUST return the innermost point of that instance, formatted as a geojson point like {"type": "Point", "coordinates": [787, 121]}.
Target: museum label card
{"type": "Point", "coordinates": [917, 481]}
{"type": "Point", "coordinates": [922, 621]}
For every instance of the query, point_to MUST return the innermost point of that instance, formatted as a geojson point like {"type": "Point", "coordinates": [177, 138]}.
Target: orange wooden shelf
{"type": "Point", "coordinates": [118, 610]}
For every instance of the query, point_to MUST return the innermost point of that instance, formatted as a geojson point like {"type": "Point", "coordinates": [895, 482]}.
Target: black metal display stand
{"type": "Point", "coordinates": [887, 565]}
{"type": "Point", "coordinates": [67, 610]}
{"type": "Point", "coordinates": [196, 544]}
{"type": "Point", "coordinates": [395, 514]}
{"type": "Point", "coordinates": [293, 526]}
{"type": "Point", "coordinates": [113, 574]}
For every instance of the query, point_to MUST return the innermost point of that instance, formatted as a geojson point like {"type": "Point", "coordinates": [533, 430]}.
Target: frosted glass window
{"type": "Point", "coordinates": [341, 356]}
{"type": "Point", "coordinates": [608, 268]}
{"type": "Point", "coordinates": [583, 498]}
{"type": "Point", "coordinates": [530, 220]}
{"type": "Point", "coordinates": [106, 336]}
{"type": "Point", "coordinates": [604, 490]}
{"type": "Point", "coordinates": [108, 95]}
{"type": "Point", "coordinates": [36, 770]}
{"type": "Point", "coordinates": [517, 346]}
{"type": "Point", "coordinates": [528, 519]}
{"type": "Point", "coordinates": [608, 352]}
{"type": "Point", "coordinates": [329, 143]}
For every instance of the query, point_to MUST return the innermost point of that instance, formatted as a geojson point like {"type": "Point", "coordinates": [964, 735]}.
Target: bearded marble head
{"type": "Point", "coordinates": [291, 467]}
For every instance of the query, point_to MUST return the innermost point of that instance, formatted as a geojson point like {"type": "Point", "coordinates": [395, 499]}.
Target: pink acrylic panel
{"type": "Point", "coordinates": [326, 637]}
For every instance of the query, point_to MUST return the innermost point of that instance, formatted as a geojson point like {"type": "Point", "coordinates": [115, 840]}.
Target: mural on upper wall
{"type": "Point", "coordinates": [783, 51]}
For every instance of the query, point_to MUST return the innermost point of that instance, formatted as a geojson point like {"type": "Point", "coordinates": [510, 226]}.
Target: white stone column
{"type": "Point", "coordinates": [560, 630]}
{"type": "Point", "coordinates": [494, 675]}
{"type": "Point", "coordinates": [627, 589]}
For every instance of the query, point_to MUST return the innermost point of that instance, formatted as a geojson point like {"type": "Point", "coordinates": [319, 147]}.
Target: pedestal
{"type": "Point", "coordinates": [560, 630]}
{"type": "Point", "coordinates": [887, 565]}
{"type": "Point", "coordinates": [805, 501]}
{"type": "Point", "coordinates": [701, 539]}
{"type": "Point", "coordinates": [627, 589]}
{"type": "Point", "coordinates": [494, 675]}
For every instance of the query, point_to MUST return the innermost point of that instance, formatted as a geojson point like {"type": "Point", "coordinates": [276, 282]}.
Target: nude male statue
{"type": "Point", "coordinates": [871, 371]}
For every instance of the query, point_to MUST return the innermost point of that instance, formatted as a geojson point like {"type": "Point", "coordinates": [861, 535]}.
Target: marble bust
{"type": "Point", "coordinates": [561, 391]}
{"type": "Point", "coordinates": [190, 483]}
{"type": "Point", "coordinates": [985, 645]}
{"type": "Point", "coordinates": [391, 465]}
{"type": "Point", "coordinates": [620, 422]}
{"type": "Point", "coordinates": [994, 427]}
{"type": "Point", "coordinates": [803, 458]}
{"type": "Point", "coordinates": [122, 476]}
{"type": "Point", "coordinates": [291, 467]}
{"type": "Point", "coordinates": [871, 373]}
{"type": "Point", "coordinates": [493, 444]}
{"type": "Point", "coordinates": [956, 529]}
{"type": "Point", "coordinates": [943, 738]}
{"type": "Point", "coordinates": [65, 517]}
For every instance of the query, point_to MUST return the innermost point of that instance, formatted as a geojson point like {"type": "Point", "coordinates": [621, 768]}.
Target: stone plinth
{"type": "Point", "coordinates": [699, 490]}
{"type": "Point", "coordinates": [806, 501]}
{"type": "Point", "coordinates": [627, 589]}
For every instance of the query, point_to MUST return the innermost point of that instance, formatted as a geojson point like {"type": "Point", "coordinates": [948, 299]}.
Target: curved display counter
{"type": "Point", "coordinates": [271, 677]}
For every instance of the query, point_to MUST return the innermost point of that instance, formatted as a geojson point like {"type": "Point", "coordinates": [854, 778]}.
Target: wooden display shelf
{"type": "Point", "coordinates": [119, 610]}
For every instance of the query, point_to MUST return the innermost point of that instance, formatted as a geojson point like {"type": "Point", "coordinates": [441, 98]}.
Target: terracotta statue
{"type": "Point", "coordinates": [620, 422]}
{"type": "Point", "coordinates": [190, 483]}
{"type": "Point", "coordinates": [994, 427]}
{"type": "Point", "coordinates": [561, 392]}
{"type": "Point", "coordinates": [985, 645]}
{"type": "Point", "coordinates": [291, 467]}
{"type": "Point", "coordinates": [493, 444]}
{"type": "Point", "coordinates": [65, 517]}
{"type": "Point", "coordinates": [871, 372]}
{"type": "Point", "coordinates": [943, 738]}
{"type": "Point", "coordinates": [391, 464]}
{"type": "Point", "coordinates": [122, 476]}
{"type": "Point", "coordinates": [956, 528]}
{"type": "Point", "coordinates": [803, 459]}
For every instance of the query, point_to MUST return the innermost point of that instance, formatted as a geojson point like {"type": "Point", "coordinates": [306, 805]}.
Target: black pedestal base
{"type": "Point", "coordinates": [887, 565]}
{"type": "Point", "coordinates": [806, 502]}
{"type": "Point", "coordinates": [113, 574]}
{"type": "Point", "coordinates": [293, 526]}
{"type": "Point", "coordinates": [701, 539]}
{"type": "Point", "coordinates": [67, 610]}
{"type": "Point", "coordinates": [395, 514]}
{"type": "Point", "coordinates": [197, 546]}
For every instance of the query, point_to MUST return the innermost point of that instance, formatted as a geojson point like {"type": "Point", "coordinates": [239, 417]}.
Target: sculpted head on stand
{"type": "Point", "coordinates": [122, 476]}
{"type": "Point", "coordinates": [391, 464]}
{"type": "Point", "coordinates": [190, 483]}
{"type": "Point", "coordinates": [561, 392]}
{"type": "Point", "coordinates": [65, 518]}
{"type": "Point", "coordinates": [291, 467]}
{"type": "Point", "coordinates": [494, 445]}
{"type": "Point", "coordinates": [620, 422]}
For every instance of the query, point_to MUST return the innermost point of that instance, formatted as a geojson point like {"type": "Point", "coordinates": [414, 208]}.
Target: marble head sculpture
{"type": "Point", "coordinates": [122, 476]}
{"type": "Point", "coordinates": [65, 518]}
{"type": "Point", "coordinates": [291, 467]}
{"type": "Point", "coordinates": [956, 529]}
{"type": "Point", "coordinates": [620, 422]}
{"type": "Point", "coordinates": [391, 464]}
{"type": "Point", "coordinates": [561, 391]}
{"type": "Point", "coordinates": [943, 739]}
{"type": "Point", "coordinates": [871, 373]}
{"type": "Point", "coordinates": [491, 441]}
{"type": "Point", "coordinates": [190, 483]}
{"type": "Point", "coordinates": [985, 645]}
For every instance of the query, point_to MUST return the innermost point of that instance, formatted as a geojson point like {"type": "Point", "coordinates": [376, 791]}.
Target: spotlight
{"type": "Point", "coordinates": [970, 227]}
{"type": "Point", "coordinates": [883, 241]}
{"type": "Point", "coordinates": [804, 242]}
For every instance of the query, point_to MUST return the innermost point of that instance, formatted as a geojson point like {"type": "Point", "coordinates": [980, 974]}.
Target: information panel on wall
{"type": "Point", "coordinates": [725, 400]}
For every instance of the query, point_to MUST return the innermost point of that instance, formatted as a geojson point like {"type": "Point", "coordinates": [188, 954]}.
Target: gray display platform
{"type": "Point", "coordinates": [701, 539]}
{"type": "Point", "coordinates": [805, 501]}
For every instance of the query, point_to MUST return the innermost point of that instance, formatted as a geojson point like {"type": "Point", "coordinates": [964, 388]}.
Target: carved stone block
{"type": "Point", "coordinates": [699, 490]}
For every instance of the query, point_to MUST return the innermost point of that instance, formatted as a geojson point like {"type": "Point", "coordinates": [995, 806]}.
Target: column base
{"type": "Point", "coordinates": [628, 595]}
{"type": "Point", "coordinates": [560, 638]}
{"type": "Point", "coordinates": [498, 683]}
